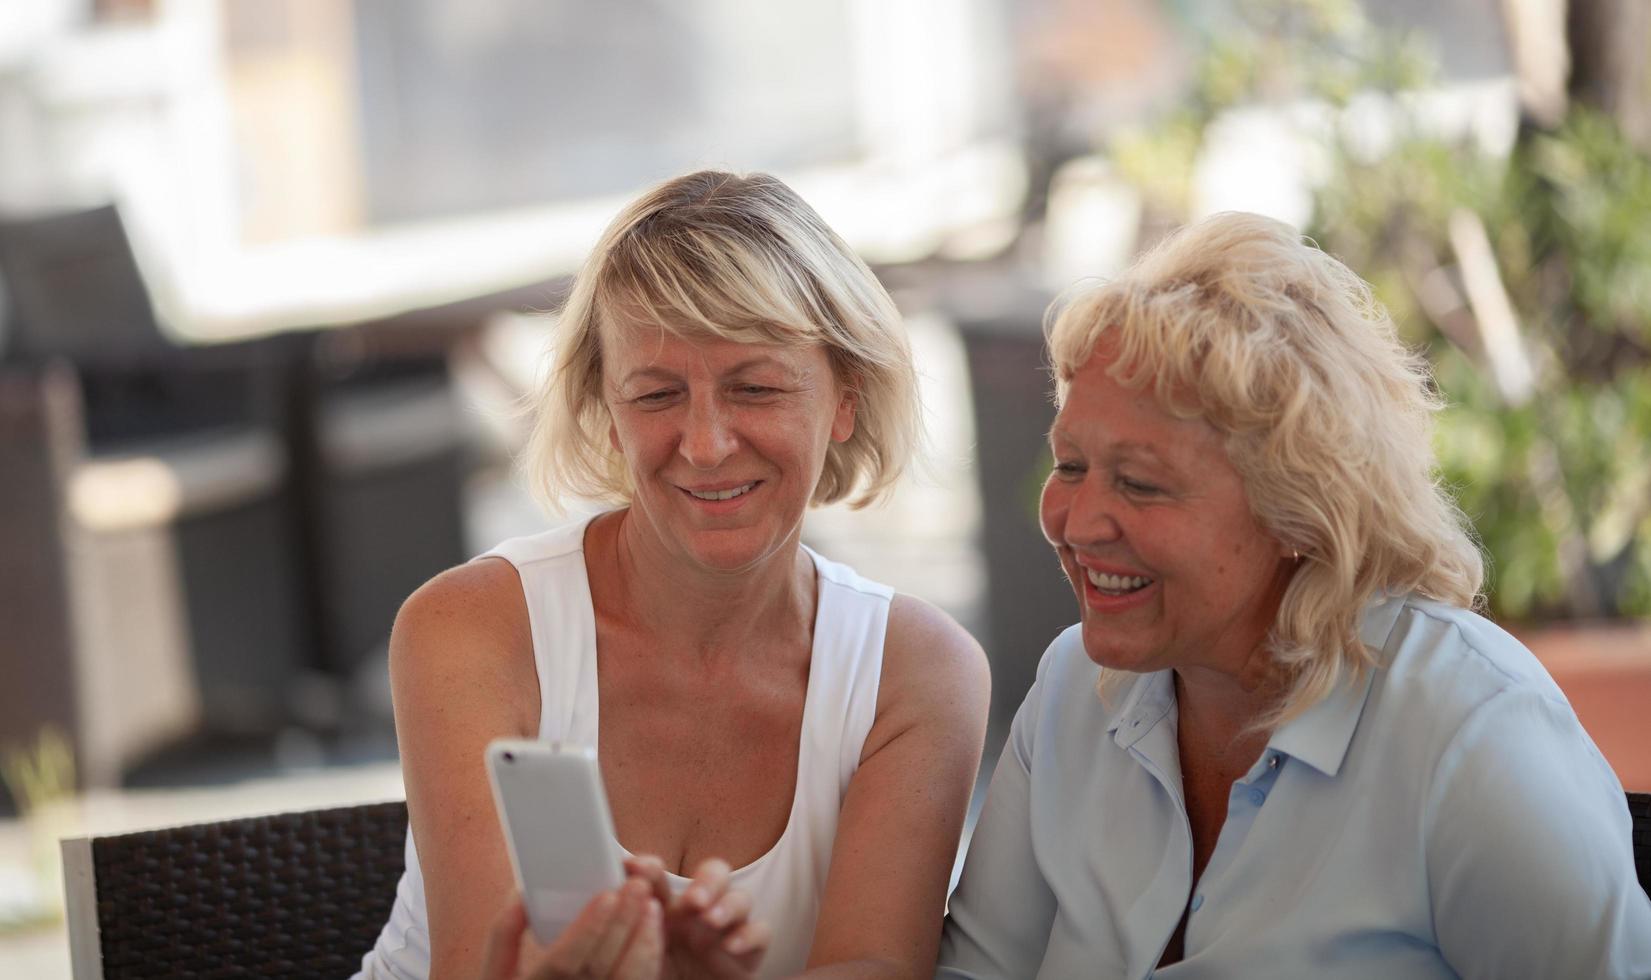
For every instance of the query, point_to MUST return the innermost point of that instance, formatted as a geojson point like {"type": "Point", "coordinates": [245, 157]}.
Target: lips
{"type": "Point", "coordinates": [1116, 584]}
{"type": "Point", "coordinates": [1111, 588]}
{"type": "Point", "coordinates": [723, 498]}
{"type": "Point", "coordinates": [728, 493]}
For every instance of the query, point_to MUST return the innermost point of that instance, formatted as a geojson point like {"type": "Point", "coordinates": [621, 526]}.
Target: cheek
{"type": "Point", "coordinates": [621, 433]}
{"type": "Point", "coordinates": [1052, 510]}
{"type": "Point", "coordinates": [638, 441]}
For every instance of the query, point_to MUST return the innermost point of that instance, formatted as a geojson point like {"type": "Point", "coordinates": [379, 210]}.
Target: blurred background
{"type": "Point", "coordinates": [276, 274]}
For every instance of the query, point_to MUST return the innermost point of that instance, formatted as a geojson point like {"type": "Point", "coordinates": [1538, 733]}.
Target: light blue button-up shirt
{"type": "Point", "coordinates": [1446, 816]}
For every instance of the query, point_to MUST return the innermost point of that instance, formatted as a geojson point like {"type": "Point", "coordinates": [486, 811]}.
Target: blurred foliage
{"type": "Point", "coordinates": [38, 773]}
{"type": "Point", "coordinates": [1273, 52]}
{"type": "Point", "coordinates": [1558, 484]}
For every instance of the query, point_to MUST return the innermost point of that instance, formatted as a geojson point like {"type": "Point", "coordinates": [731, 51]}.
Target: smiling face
{"type": "Point", "coordinates": [724, 440]}
{"type": "Point", "coordinates": [1152, 526]}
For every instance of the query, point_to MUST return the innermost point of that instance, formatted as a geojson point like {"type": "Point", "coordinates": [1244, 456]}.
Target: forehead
{"type": "Point", "coordinates": [1101, 412]}
{"type": "Point", "coordinates": [628, 348]}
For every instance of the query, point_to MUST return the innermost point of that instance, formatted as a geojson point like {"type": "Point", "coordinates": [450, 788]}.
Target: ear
{"type": "Point", "coordinates": [842, 423]}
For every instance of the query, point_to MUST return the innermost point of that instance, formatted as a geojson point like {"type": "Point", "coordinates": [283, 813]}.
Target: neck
{"type": "Point", "coordinates": [1240, 681]}
{"type": "Point", "coordinates": [1216, 710]}
{"type": "Point", "coordinates": [1222, 700]}
{"type": "Point", "coordinates": [658, 593]}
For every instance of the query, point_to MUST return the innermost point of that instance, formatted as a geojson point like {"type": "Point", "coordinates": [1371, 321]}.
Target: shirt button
{"type": "Point", "coordinates": [1272, 763]}
{"type": "Point", "coordinates": [1197, 901]}
{"type": "Point", "coordinates": [1135, 724]}
{"type": "Point", "coordinates": [1257, 797]}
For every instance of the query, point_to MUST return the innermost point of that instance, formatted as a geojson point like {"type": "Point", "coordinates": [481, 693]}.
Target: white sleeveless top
{"type": "Point", "coordinates": [785, 884]}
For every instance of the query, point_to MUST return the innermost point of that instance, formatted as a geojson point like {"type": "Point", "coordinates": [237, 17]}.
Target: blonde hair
{"type": "Point", "coordinates": [712, 254]}
{"type": "Point", "coordinates": [1324, 412]}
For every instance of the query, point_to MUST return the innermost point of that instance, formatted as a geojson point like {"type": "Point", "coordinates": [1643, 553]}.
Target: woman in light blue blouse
{"type": "Point", "coordinates": [1279, 743]}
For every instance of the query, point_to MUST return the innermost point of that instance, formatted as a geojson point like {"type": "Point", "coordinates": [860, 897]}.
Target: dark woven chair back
{"type": "Point", "coordinates": [1639, 807]}
{"type": "Point", "coordinates": [295, 895]}
{"type": "Point", "coordinates": [76, 289]}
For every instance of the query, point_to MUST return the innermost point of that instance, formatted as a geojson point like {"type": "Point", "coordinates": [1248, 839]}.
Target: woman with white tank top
{"type": "Point", "coordinates": [788, 748]}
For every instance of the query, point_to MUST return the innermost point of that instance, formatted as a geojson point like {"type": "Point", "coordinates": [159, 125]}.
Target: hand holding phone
{"type": "Point", "coordinates": [620, 939]}
{"type": "Point", "coordinates": [557, 827]}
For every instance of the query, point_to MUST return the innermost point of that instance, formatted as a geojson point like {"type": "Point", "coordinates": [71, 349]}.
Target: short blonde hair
{"type": "Point", "coordinates": [1324, 412]}
{"type": "Point", "coordinates": [712, 254]}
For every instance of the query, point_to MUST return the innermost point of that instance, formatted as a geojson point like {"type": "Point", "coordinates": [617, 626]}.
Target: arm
{"type": "Point", "coordinates": [461, 674]}
{"type": "Point", "coordinates": [1529, 862]}
{"type": "Point", "coordinates": [1000, 916]}
{"type": "Point", "coordinates": [897, 833]}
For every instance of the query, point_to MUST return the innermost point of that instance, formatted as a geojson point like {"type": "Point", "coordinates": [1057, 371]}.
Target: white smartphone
{"type": "Point", "coordinates": [555, 818]}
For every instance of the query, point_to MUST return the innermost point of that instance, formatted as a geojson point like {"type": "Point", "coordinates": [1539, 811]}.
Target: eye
{"type": "Point", "coordinates": [1137, 487]}
{"type": "Point", "coordinates": [657, 397]}
{"type": "Point", "coordinates": [1067, 469]}
{"type": "Point", "coordinates": [755, 390]}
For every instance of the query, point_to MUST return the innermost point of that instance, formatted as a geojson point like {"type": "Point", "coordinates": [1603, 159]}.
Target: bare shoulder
{"type": "Point", "coordinates": [484, 595]}
{"type": "Point", "coordinates": [466, 631]}
{"type": "Point", "coordinates": [933, 669]}
{"type": "Point", "coordinates": [921, 639]}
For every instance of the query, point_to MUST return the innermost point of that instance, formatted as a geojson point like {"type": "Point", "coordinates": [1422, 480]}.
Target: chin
{"type": "Point", "coordinates": [1105, 651]}
{"type": "Point", "coordinates": [730, 550]}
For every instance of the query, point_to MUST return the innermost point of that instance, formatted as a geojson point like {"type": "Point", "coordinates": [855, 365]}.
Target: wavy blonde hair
{"type": "Point", "coordinates": [713, 254]}
{"type": "Point", "coordinates": [1324, 412]}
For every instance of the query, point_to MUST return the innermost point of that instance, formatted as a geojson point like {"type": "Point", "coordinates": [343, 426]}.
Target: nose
{"type": "Point", "coordinates": [1081, 515]}
{"type": "Point", "coordinates": [707, 437]}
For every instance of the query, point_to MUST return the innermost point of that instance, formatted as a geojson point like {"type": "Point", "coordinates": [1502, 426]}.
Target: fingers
{"type": "Point", "coordinates": [652, 870]}
{"type": "Point", "coordinates": [646, 951]}
{"type": "Point", "coordinates": [709, 917]}
{"type": "Point", "coordinates": [737, 954]}
{"type": "Point", "coordinates": [700, 915]}
{"type": "Point", "coordinates": [633, 904]}
{"type": "Point", "coordinates": [733, 908]}
{"type": "Point", "coordinates": [504, 942]}
{"type": "Point", "coordinates": [747, 943]}
{"type": "Point", "coordinates": [709, 884]}
{"type": "Point", "coordinates": [617, 934]}
{"type": "Point", "coordinates": [578, 943]}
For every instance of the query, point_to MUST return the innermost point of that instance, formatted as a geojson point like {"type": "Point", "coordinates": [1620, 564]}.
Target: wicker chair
{"type": "Point", "coordinates": [294, 895]}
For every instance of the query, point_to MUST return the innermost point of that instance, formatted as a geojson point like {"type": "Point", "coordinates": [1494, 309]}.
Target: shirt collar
{"type": "Point", "coordinates": [1320, 735]}
{"type": "Point", "coordinates": [1150, 697]}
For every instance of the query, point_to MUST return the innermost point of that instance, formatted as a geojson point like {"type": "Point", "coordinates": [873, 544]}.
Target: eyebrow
{"type": "Point", "coordinates": [1126, 448]}
{"type": "Point", "coordinates": [761, 360]}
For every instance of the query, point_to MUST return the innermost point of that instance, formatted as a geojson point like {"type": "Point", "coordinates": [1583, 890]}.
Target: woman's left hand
{"type": "Point", "coordinates": [709, 930]}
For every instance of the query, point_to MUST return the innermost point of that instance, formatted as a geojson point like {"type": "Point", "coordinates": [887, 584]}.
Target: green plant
{"type": "Point", "coordinates": [1526, 276]}
{"type": "Point", "coordinates": [1554, 470]}
{"type": "Point", "coordinates": [39, 775]}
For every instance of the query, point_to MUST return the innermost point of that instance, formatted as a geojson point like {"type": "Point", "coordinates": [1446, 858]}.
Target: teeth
{"type": "Point", "coordinates": [1117, 583]}
{"type": "Point", "coordinates": [729, 494]}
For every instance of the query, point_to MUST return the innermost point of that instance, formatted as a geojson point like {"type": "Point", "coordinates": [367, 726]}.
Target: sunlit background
{"type": "Point", "coordinates": [276, 274]}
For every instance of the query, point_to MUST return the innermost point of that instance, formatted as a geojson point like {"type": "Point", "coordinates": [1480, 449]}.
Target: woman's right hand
{"type": "Point", "coordinates": [620, 935]}
{"type": "Point", "coordinates": [709, 932]}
